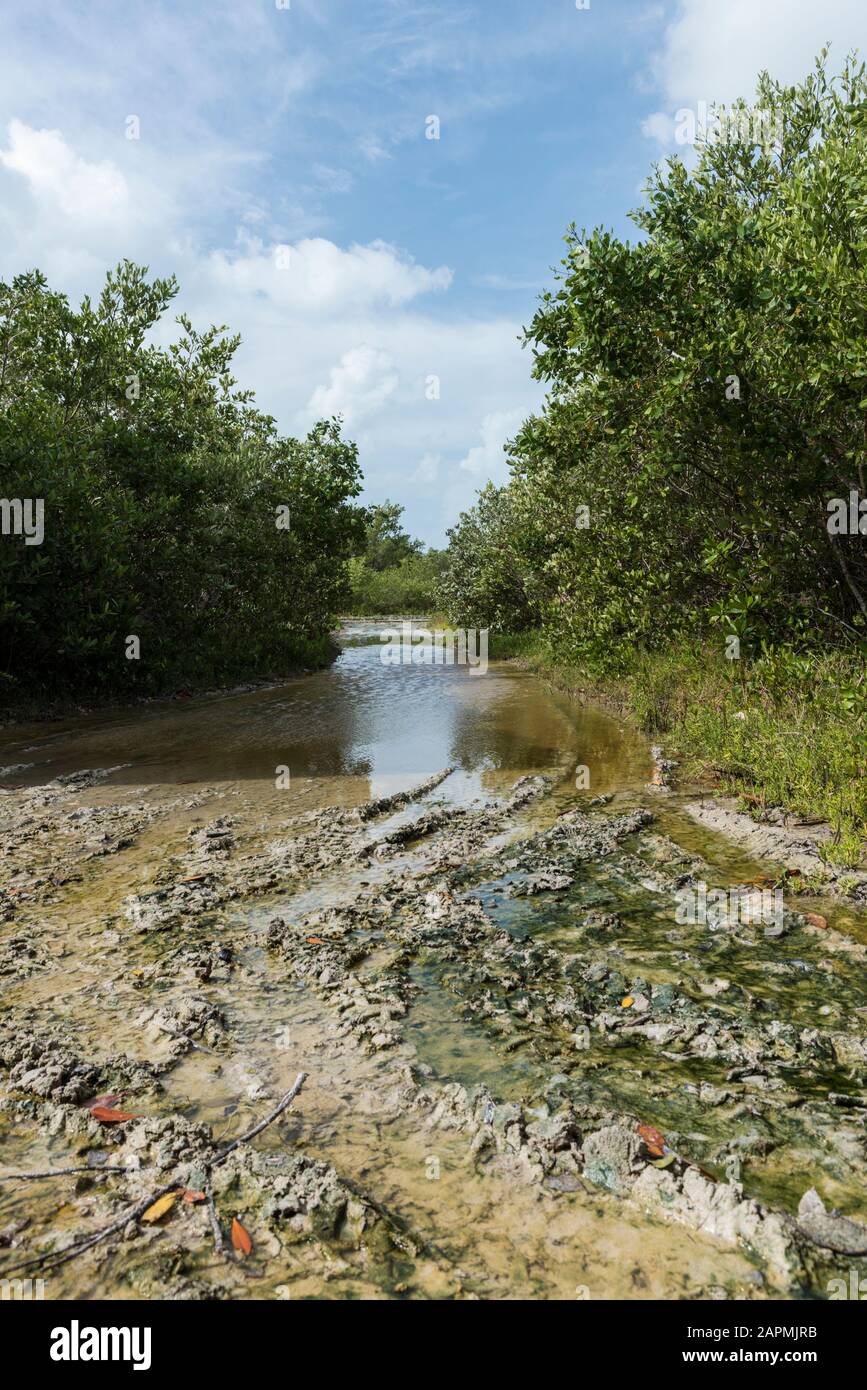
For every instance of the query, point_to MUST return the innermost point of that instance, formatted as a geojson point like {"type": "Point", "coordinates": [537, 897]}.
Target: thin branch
{"type": "Point", "coordinates": [257, 1129]}
{"type": "Point", "coordinates": [65, 1172]}
{"type": "Point", "coordinates": [215, 1224]}
{"type": "Point", "coordinates": [52, 1260]}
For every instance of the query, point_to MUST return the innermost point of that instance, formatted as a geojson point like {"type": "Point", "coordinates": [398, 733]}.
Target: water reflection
{"type": "Point", "coordinates": [356, 730]}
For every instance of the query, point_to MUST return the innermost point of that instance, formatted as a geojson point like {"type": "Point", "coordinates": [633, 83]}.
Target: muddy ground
{"type": "Point", "coordinates": [525, 1076]}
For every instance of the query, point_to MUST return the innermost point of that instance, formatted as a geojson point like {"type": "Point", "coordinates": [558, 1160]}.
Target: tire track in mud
{"type": "Point", "coordinates": [383, 911]}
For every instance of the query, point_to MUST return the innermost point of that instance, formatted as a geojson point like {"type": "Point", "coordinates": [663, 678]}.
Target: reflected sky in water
{"type": "Point", "coordinates": [358, 729]}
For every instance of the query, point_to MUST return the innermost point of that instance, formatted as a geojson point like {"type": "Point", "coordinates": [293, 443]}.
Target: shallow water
{"type": "Point", "coordinates": [357, 731]}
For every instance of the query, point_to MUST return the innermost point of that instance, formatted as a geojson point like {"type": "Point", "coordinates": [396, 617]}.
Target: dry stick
{"type": "Point", "coordinates": [64, 1172]}
{"type": "Point", "coordinates": [257, 1129]}
{"type": "Point", "coordinates": [215, 1225]}
{"type": "Point", "coordinates": [53, 1260]}
{"type": "Point", "coordinates": [183, 1037]}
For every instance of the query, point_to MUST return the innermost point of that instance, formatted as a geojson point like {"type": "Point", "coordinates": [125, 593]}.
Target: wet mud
{"type": "Point", "coordinates": [529, 1073]}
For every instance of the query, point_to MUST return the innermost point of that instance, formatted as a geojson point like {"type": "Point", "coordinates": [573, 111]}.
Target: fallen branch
{"type": "Point", "coordinates": [65, 1172]}
{"type": "Point", "coordinates": [53, 1259]}
{"type": "Point", "coordinates": [257, 1129]}
{"type": "Point", "coordinates": [183, 1037]}
{"type": "Point", "coordinates": [215, 1224]}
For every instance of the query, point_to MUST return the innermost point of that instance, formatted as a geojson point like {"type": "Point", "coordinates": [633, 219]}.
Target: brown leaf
{"type": "Point", "coordinates": [107, 1116]}
{"type": "Point", "coordinates": [315, 941]}
{"type": "Point", "coordinates": [160, 1207]}
{"type": "Point", "coordinates": [817, 920]}
{"type": "Point", "coordinates": [654, 1141]}
{"type": "Point", "coordinates": [241, 1239]}
{"type": "Point", "coordinates": [190, 1196]}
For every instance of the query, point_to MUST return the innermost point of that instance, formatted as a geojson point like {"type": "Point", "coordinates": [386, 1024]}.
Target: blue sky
{"type": "Point", "coordinates": [282, 171]}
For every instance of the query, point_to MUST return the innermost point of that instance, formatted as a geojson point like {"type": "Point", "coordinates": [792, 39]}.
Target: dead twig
{"type": "Point", "coordinates": [215, 1224]}
{"type": "Point", "coordinates": [184, 1037]}
{"type": "Point", "coordinates": [53, 1259]}
{"type": "Point", "coordinates": [65, 1172]}
{"type": "Point", "coordinates": [257, 1129]}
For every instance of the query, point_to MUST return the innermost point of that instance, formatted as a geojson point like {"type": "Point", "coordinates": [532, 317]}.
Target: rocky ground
{"type": "Point", "coordinates": [528, 1076]}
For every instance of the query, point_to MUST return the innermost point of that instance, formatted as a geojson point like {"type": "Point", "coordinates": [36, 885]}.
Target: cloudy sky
{"type": "Point", "coordinates": [282, 171]}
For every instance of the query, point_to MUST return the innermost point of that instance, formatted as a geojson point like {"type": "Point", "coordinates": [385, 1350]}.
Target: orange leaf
{"type": "Point", "coordinates": [653, 1139]}
{"type": "Point", "coordinates": [627, 1002]}
{"type": "Point", "coordinates": [107, 1116]}
{"type": "Point", "coordinates": [817, 920]}
{"type": "Point", "coordinates": [315, 941]}
{"type": "Point", "coordinates": [193, 1196]}
{"type": "Point", "coordinates": [241, 1239]}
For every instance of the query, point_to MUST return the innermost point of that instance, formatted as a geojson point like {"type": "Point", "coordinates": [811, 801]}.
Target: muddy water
{"type": "Point", "coordinates": [349, 735]}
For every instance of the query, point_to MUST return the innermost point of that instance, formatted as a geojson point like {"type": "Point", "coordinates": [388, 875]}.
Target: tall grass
{"type": "Point", "coordinates": [781, 730]}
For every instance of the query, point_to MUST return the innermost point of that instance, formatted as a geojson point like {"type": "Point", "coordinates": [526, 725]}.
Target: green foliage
{"type": "Point", "coordinates": [490, 564]}
{"type": "Point", "coordinates": [778, 731]}
{"type": "Point", "coordinates": [406, 588]}
{"type": "Point", "coordinates": [386, 542]}
{"type": "Point", "coordinates": [393, 574]}
{"type": "Point", "coordinates": [162, 483]}
{"type": "Point", "coordinates": [707, 400]}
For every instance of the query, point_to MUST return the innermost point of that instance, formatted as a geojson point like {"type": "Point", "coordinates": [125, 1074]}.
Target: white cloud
{"type": "Point", "coordinates": [349, 329]}
{"type": "Point", "coordinates": [428, 469]}
{"type": "Point", "coordinates": [359, 386]}
{"type": "Point", "coordinates": [659, 126]}
{"type": "Point", "coordinates": [317, 274]}
{"type": "Point", "coordinates": [373, 149]}
{"type": "Point", "coordinates": [333, 180]}
{"type": "Point", "coordinates": [59, 178]}
{"type": "Point", "coordinates": [487, 460]}
{"type": "Point", "coordinates": [713, 51]}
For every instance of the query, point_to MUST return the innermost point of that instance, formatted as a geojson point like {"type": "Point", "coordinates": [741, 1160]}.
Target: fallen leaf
{"type": "Point", "coordinates": [241, 1239]}
{"type": "Point", "coordinates": [160, 1207]}
{"type": "Point", "coordinates": [663, 1162]}
{"type": "Point", "coordinates": [190, 1196]}
{"type": "Point", "coordinates": [654, 1141]}
{"type": "Point", "coordinates": [627, 1002]}
{"type": "Point", "coordinates": [817, 920]}
{"type": "Point", "coordinates": [195, 878]}
{"type": "Point", "coordinates": [107, 1116]}
{"type": "Point", "coordinates": [315, 941]}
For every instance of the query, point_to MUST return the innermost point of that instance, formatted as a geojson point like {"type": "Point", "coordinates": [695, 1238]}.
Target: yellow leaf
{"type": "Point", "coordinates": [627, 1002]}
{"type": "Point", "coordinates": [161, 1207]}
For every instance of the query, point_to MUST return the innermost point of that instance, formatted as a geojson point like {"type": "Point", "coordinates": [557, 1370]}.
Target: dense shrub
{"type": "Point", "coordinates": [163, 487]}
{"type": "Point", "coordinates": [707, 401]}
